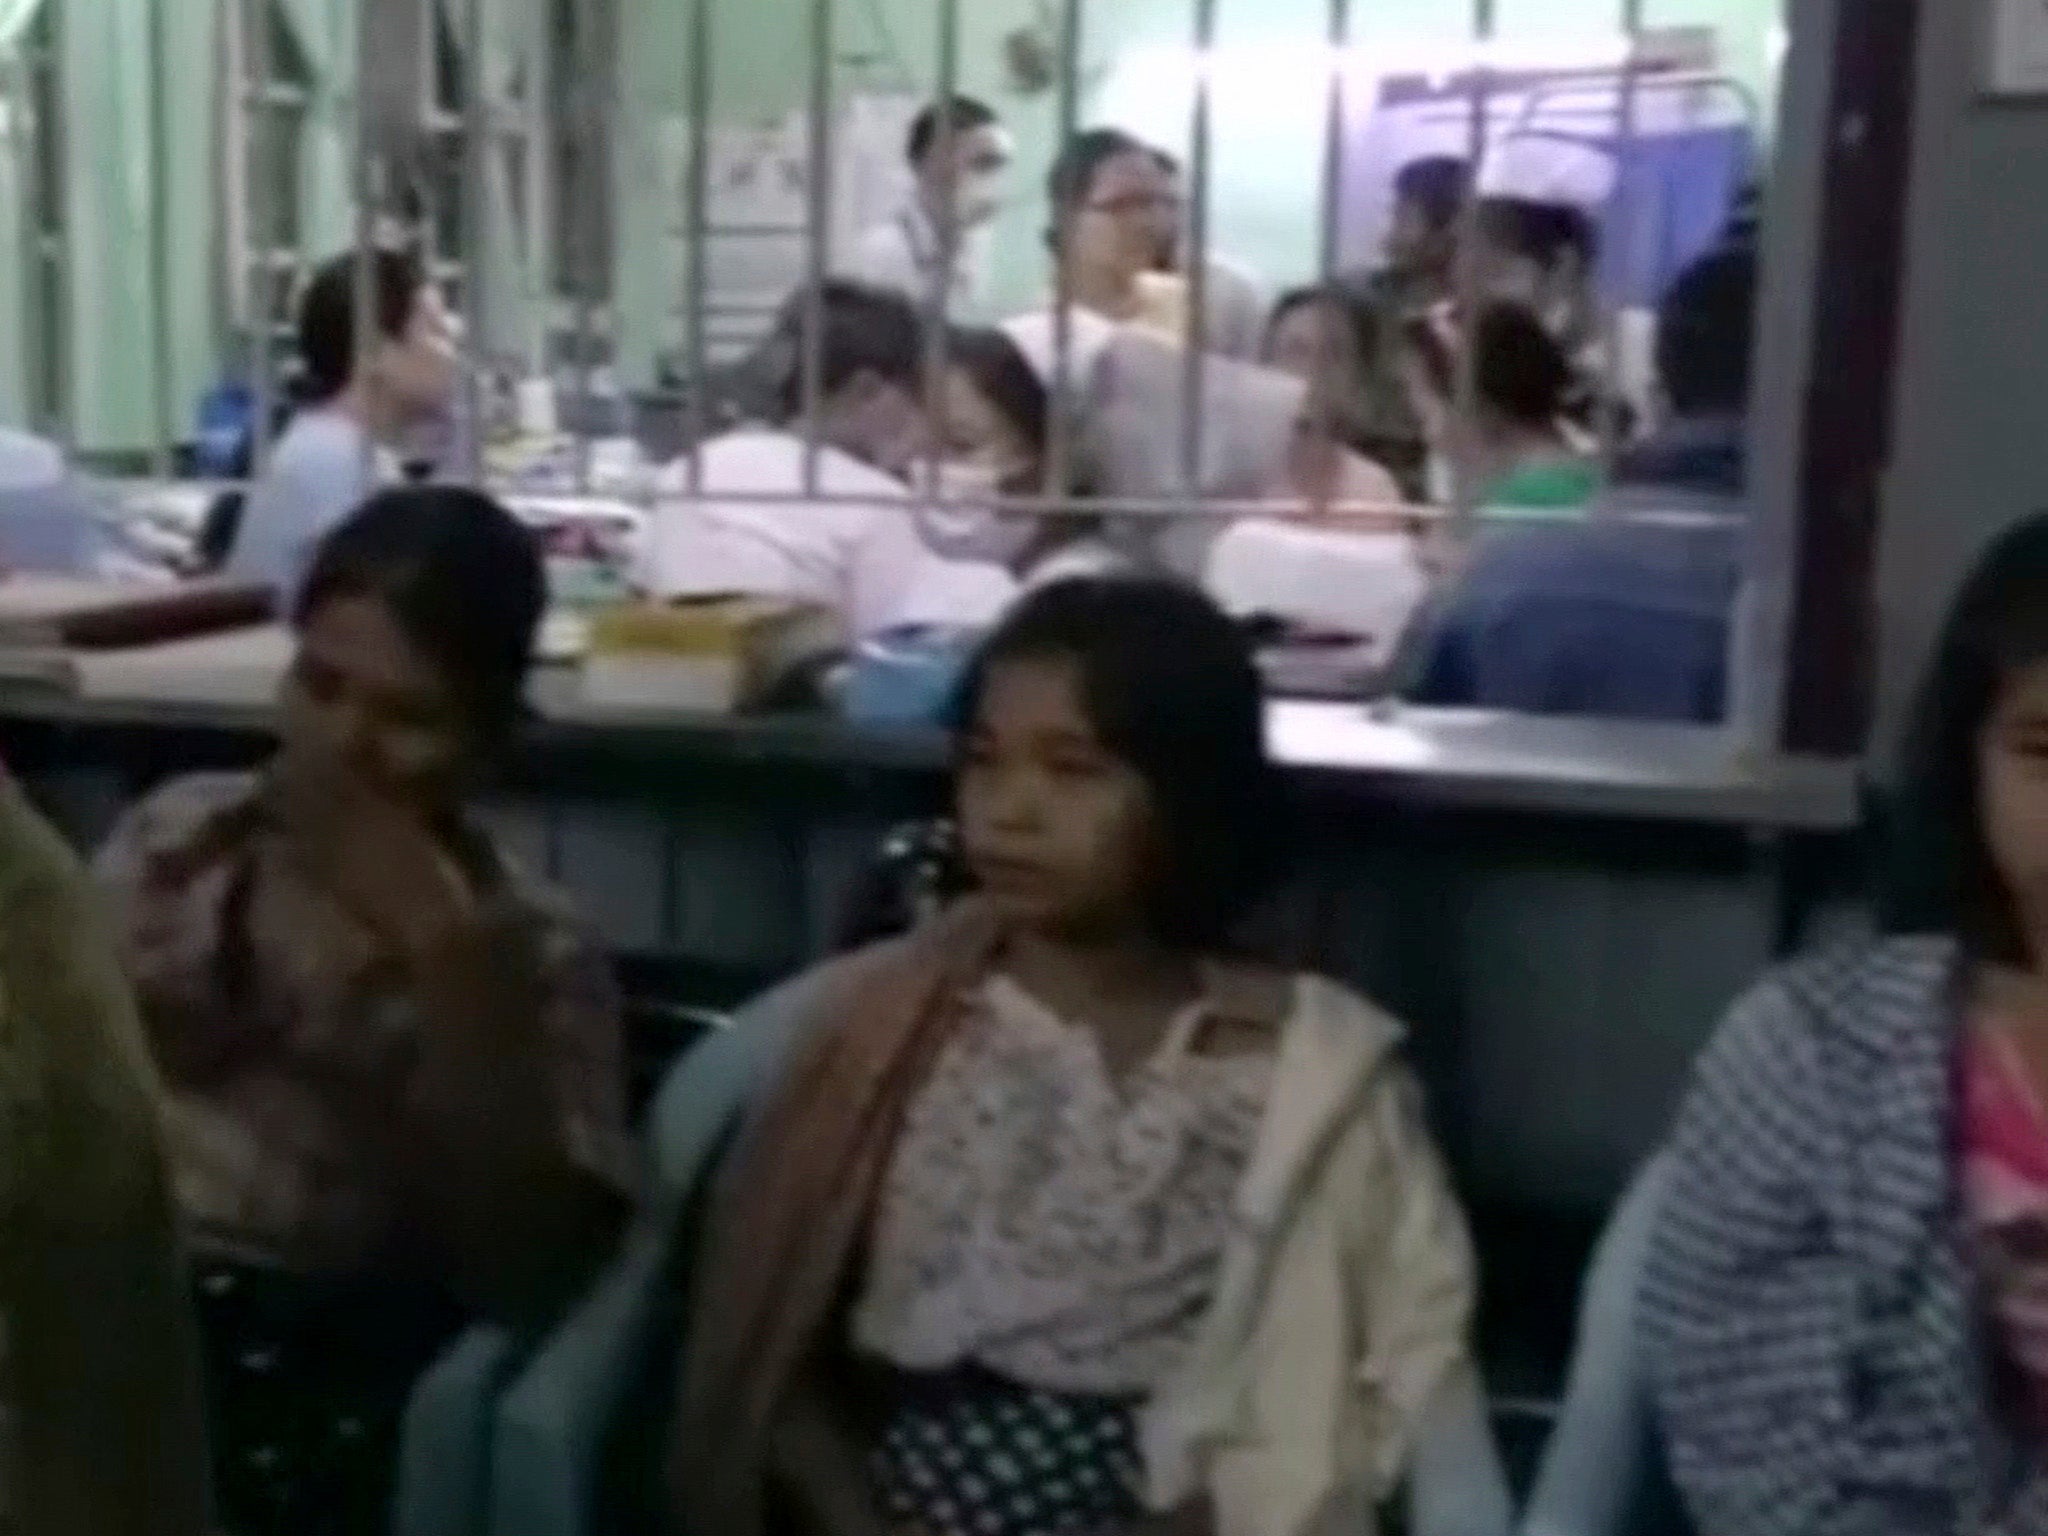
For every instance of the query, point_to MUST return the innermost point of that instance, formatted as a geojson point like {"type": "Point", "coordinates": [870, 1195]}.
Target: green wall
{"type": "Point", "coordinates": [1268, 135]}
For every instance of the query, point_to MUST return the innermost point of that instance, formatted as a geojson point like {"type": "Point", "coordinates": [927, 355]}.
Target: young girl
{"type": "Point", "coordinates": [1518, 453]}
{"type": "Point", "coordinates": [1069, 1222]}
{"type": "Point", "coordinates": [1844, 1309]}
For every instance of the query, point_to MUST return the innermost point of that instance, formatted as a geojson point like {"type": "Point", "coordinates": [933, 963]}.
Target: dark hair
{"type": "Point", "coordinates": [1360, 315]}
{"type": "Point", "coordinates": [1169, 685]}
{"type": "Point", "coordinates": [1071, 181]}
{"type": "Point", "coordinates": [1940, 875]}
{"type": "Point", "coordinates": [865, 331]}
{"type": "Point", "coordinates": [462, 577]}
{"type": "Point", "coordinates": [1704, 333]}
{"type": "Point", "coordinates": [327, 315]}
{"type": "Point", "coordinates": [1545, 233]}
{"type": "Point", "coordinates": [1437, 185]}
{"type": "Point", "coordinates": [1519, 370]}
{"type": "Point", "coordinates": [1006, 379]}
{"type": "Point", "coordinates": [962, 114]}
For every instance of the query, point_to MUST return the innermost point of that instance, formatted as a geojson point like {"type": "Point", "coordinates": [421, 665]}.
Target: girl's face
{"type": "Point", "coordinates": [1305, 344]}
{"type": "Point", "coordinates": [1058, 832]}
{"type": "Point", "coordinates": [977, 432]}
{"type": "Point", "coordinates": [2012, 768]}
{"type": "Point", "coordinates": [360, 696]}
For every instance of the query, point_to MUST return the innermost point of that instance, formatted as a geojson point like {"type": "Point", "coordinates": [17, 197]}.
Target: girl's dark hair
{"type": "Point", "coordinates": [863, 330]}
{"type": "Point", "coordinates": [1006, 379]}
{"type": "Point", "coordinates": [1939, 871]}
{"type": "Point", "coordinates": [462, 577]}
{"type": "Point", "coordinates": [327, 316]}
{"type": "Point", "coordinates": [1071, 181]}
{"type": "Point", "coordinates": [1361, 317]}
{"type": "Point", "coordinates": [1520, 371]}
{"type": "Point", "coordinates": [1437, 185]}
{"type": "Point", "coordinates": [1170, 687]}
{"type": "Point", "coordinates": [1545, 233]}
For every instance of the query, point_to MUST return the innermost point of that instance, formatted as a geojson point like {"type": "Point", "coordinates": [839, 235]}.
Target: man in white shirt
{"type": "Point", "coordinates": [959, 155]}
{"type": "Point", "coordinates": [359, 400]}
{"type": "Point", "coordinates": [849, 541]}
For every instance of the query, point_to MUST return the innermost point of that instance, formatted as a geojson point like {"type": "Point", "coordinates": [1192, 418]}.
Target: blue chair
{"type": "Point", "coordinates": [500, 1446]}
{"type": "Point", "coordinates": [1603, 1472]}
{"type": "Point", "coordinates": [497, 1444]}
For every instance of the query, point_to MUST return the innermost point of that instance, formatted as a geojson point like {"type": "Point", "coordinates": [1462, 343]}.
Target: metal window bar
{"type": "Point", "coordinates": [946, 246]}
{"type": "Point", "coordinates": [162, 461]}
{"type": "Point", "coordinates": [1323, 403]}
{"type": "Point", "coordinates": [1465, 279]}
{"type": "Point", "coordinates": [594, 121]}
{"type": "Point", "coordinates": [1609, 424]}
{"type": "Point", "coordinates": [1060, 448]}
{"type": "Point", "coordinates": [1195, 262]}
{"type": "Point", "coordinates": [43, 52]}
{"type": "Point", "coordinates": [479, 144]}
{"type": "Point", "coordinates": [817, 252]}
{"type": "Point", "coordinates": [541, 276]}
{"type": "Point", "coordinates": [24, 128]}
{"type": "Point", "coordinates": [369, 202]}
{"type": "Point", "coordinates": [260, 317]}
{"type": "Point", "coordinates": [697, 321]}
{"type": "Point", "coordinates": [479, 132]}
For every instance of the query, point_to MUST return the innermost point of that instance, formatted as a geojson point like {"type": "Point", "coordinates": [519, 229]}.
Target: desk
{"type": "Point", "coordinates": [1560, 909]}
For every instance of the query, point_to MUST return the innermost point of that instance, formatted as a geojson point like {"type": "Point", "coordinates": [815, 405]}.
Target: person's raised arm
{"type": "Point", "coordinates": [509, 1154]}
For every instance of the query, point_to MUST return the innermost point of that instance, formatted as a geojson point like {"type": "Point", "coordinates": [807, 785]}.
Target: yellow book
{"type": "Point", "coordinates": [716, 654]}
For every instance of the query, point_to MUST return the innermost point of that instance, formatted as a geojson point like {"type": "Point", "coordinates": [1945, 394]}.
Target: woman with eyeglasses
{"type": "Point", "coordinates": [1110, 196]}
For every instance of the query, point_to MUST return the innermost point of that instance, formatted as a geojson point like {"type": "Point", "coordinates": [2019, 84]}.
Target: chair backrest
{"type": "Point", "coordinates": [216, 540]}
{"type": "Point", "coordinates": [1603, 1472]}
{"type": "Point", "coordinates": [689, 1126]}
{"type": "Point", "coordinates": [914, 873]}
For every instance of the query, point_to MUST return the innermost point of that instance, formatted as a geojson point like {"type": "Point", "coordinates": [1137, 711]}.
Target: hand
{"type": "Point", "coordinates": [374, 855]}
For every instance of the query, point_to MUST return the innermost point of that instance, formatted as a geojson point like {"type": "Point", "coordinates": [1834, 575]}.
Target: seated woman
{"type": "Point", "coordinates": [1109, 193]}
{"type": "Point", "coordinates": [1071, 1221]}
{"type": "Point", "coordinates": [1842, 1311]}
{"type": "Point", "coordinates": [394, 1063]}
{"type": "Point", "coordinates": [362, 398]}
{"type": "Point", "coordinates": [996, 441]}
{"type": "Point", "coordinates": [1329, 339]}
{"type": "Point", "coordinates": [1520, 453]}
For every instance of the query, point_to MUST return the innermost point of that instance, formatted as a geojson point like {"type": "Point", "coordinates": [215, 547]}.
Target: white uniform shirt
{"type": "Point", "coordinates": [860, 557]}
{"type": "Point", "coordinates": [321, 470]}
{"type": "Point", "coordinates": [901, 254]}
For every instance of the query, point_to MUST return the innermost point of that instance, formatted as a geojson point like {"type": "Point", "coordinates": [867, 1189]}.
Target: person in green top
{"type": "Point", "coordinates": [1519, 454]}
{"type": "Point", "coordinates": [99, 1364]}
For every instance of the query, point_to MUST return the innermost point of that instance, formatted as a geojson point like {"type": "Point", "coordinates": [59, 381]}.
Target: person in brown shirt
{"type": "Point", "coordinates": [394, 1062]}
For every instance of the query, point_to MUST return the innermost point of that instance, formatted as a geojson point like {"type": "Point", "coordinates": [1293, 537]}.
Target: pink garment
{"type": "Point", "coordinates": [2004, 1131]}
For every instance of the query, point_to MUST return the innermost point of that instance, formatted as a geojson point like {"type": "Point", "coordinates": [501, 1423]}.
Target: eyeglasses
{"type": "Point", "coordinates": [1137, 203]}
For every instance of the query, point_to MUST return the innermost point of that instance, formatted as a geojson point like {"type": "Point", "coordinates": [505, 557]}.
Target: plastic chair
{"type": "Point", "coordinates": [510, 1446]}
{"type": "Point", "coordinates": [1603, 1473]}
